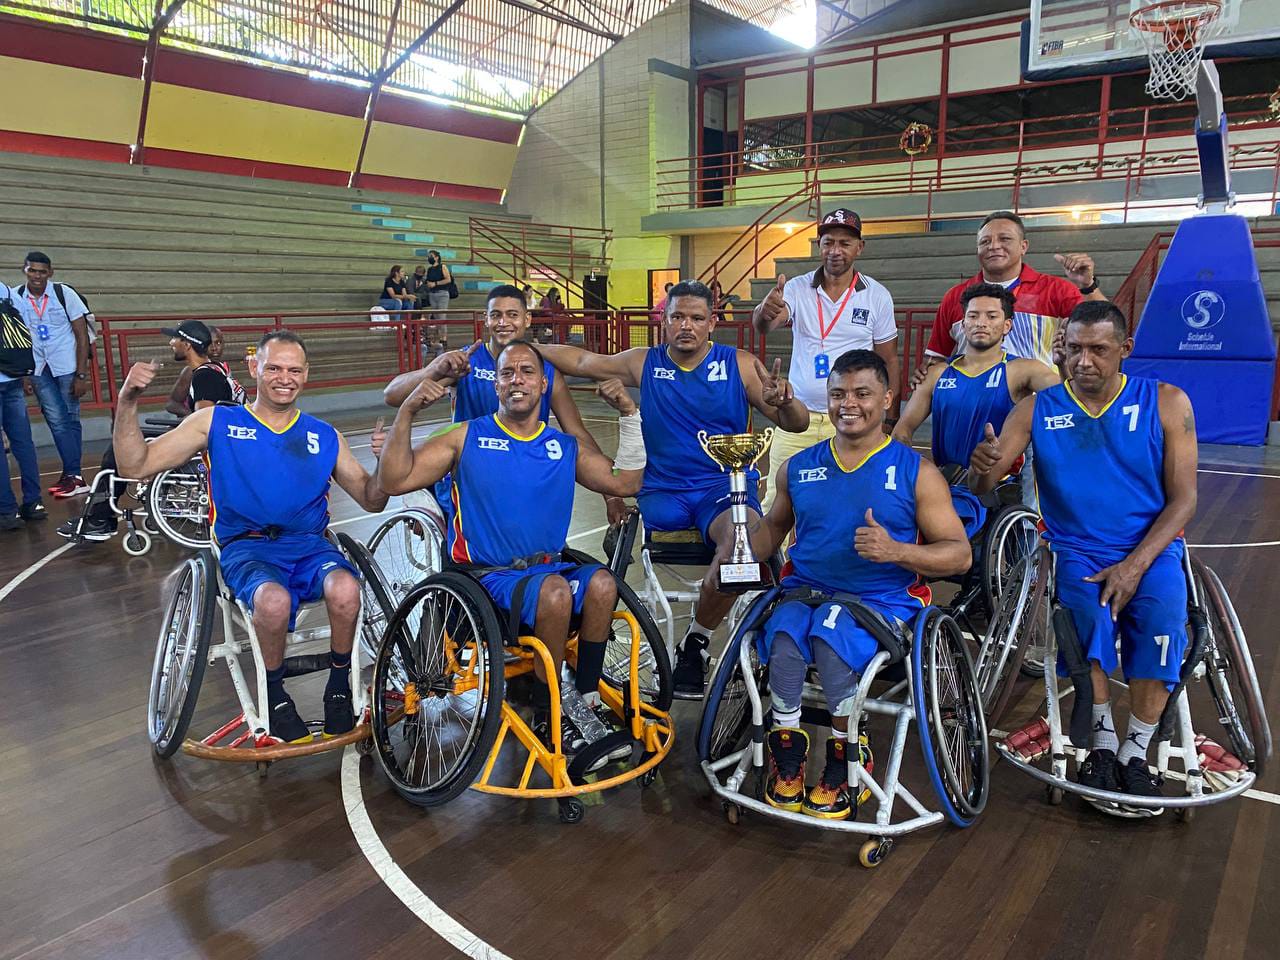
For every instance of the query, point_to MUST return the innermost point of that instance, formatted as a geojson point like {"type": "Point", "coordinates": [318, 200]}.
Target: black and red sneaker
{"type": "Point", "coordinates": [788, 751]}
{"type": "Point", "coordinates": [69, 485]}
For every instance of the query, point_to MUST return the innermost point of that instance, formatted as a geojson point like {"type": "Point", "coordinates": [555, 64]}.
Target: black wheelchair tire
{"type": "Point", "coordinates": [200, 571]}
{"type": "Point", "coordinates": [711, 747]}
{"type": "Point", "coordinates": [992, 574]}
{"type": "Point", "coordinates": [372, 578]}
{"type": "Point", "coordinates": [477, 604]}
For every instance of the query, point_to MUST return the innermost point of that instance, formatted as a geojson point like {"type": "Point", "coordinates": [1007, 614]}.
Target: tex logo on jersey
{"type": "Point", "coordinates": [480, 373]}
{"type": "Point", "coordinates": [494, 443]}
{"type": "Point", "coordinates": [946, 383]}
{"type": "Point", "coordinates": [663, 373]}
{"type": "Point", "coordinates": [1060, 422]}
{"type": "Point", "coordinates": [242, 433]}
{"type": "Point", "coordinates": [812, 475]}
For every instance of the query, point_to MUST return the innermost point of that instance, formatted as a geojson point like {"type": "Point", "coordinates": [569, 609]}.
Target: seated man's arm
{"type": "Point", "coordinates": [994, 456]}
{"type": "Point", "coordinates": [1030, 376]}
{"type": "Point", "coordinates": [358, 482]}
{"type": "Point", "coordinates": [622, 476]}
{"type": "Point", "coordinates": [576, 362]}
{"type": "Point", "coordinates": [402, 467]}
{"type": "Point", "coordinates": [771, 394]}
{"type": "Point", "coordinates": [781, 516]}
{"type": "Point", "coordinates": [177, 400]}
{"type": "Point", "coordinates": [570, 420]}
{"type": "Point", "coordinates": [945, 550]}
{"type": "Point", "coordinates": [139, 460]}
{"type": "Point", "coordinates": [1120, 581]}
{"type": "Point", "coordinates": [918, 407]}
{"type": "Point", "coordinates": [446, 369]}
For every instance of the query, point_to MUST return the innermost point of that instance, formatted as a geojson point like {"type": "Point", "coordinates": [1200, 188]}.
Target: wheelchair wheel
{"type": "Point", "coordinates": [437, 689]}
{"type": "Point", "coordinates": [182, 652]}
{"type": "Point", "coordinates": [953, 730]}
{"type": "Point", "coordinates": [1230, 672]}
{"type": "Point", "coordinates": [1011, 535]}
{"type": "Point", "coordinates": [375, 595]}
{"type": "Point", "coordinates": [407, 548]}
{"type": "Point", "coordinates": [178, 504]}
{"type": "Point", "coordinates": [725, 727]}
{"type": "Point", "coordinates": [1017, 625]}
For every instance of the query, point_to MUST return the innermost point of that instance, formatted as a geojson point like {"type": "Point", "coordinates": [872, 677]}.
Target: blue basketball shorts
{"type": "Point", "coordinates": [834, 625]}
{"type": "Point", "coordinates": [683, 509]}
{"type": "Point", "coordinates": [298, 562]}
{"type": "Point", "coordinates": [501, 585]}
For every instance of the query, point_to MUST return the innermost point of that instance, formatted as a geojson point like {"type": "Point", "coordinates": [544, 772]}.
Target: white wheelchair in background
{"type": "Point", "coordinates": [1217, 654]}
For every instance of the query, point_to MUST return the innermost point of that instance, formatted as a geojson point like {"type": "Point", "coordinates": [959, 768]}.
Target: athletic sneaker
{"type": "Point", "coordinates": [1137, 779]}
{"type": "Point", "coordinates": [10, 523]}
{"type": "Point", "coordinates": [788, 750]}
{"type": "Point", "coordinates": [575, 711]}
{"type": "Point", "coordinates": [829, 798]}
{"type": "Point", "coordinates": [33, 512]}
{"type": "Point", "coordinates": [1099, 771]}
{"type": "Point", "coordinates": [96, 529]}
{"type": "Point", "coordinates": [69, 485]}
{"type": "Point", "coordinates": [690, 674]}
{"type": "Point", "coordinates": [571, 741]}
{"type": "Point", "coordinates": [285, 723]}
{"type": "Point", "coordinates": [339, 718]}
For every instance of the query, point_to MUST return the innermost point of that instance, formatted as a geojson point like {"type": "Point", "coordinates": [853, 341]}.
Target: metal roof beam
{"type": "Point", "coordinates": [423, 37]}
{"type": "Point", "coordinates": [552, 14]}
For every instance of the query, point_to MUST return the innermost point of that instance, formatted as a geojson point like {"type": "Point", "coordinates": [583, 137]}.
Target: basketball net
{"type": "Point", "coordinates": [1175, 33]}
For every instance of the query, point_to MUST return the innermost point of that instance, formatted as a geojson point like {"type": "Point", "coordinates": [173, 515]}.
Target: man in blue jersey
{"type": "Point", "coordinates": [1117, 488]}
{"type": "Point", "coordinates": [687, 385]}
{"type": "Point", "coordinates": [871, 518]}
{"type": "Point", "coordinates": [977, 387]}
{"type": "Point", "coordinates": [270, 472]}
{"type": "Point", "coordinates": [512, 485]}
{"type": "Point", "coordinates": [472, 374]}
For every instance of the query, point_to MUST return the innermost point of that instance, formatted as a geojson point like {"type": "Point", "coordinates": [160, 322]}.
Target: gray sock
{"type": "Point", "coordinates": [1103, 735]}
{"type": "Point", "coordinates": [1136, 740]}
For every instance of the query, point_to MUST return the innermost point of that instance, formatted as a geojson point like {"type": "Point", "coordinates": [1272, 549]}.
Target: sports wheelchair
{"type": "Point", "coordinates": [451, 674]}
{"type": "Point", "coordinates": [185, 647]}
{"type": "Point", "coordinates": [1217, 652]}
{"type": "Point", "coordinates": [176, 502]}
{"type": "Point", "coordinates": [923, 672]}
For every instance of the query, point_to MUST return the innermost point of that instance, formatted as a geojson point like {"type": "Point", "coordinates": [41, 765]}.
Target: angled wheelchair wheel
{"type": "Point", "coordinates": [437, 689]}
{"type": "Point", "coordinates": [182, 652]}
{"type": "Point", "coordinates": [656, 688]}
{"type": "Point", "coordinates": [375, 596]}
{"type": "Point", "coordinates": [407, 548]}
{"type": "Point", "coordinates": [1011, 535]}
{"type": "Point", "coordinates": [1230, 672]}
{"type": "Point", "coordinates": [1017, 625]}
{"type": "Point", "coordinates": [725, 727]}
{"type": "Point", "coordinates": [952, 728]}
{"type": "Point", "coordinates": [178, 504]}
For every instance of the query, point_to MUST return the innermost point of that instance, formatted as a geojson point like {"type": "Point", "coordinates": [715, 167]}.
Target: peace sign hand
{"type": "Point", "coordinates": [775, 391]}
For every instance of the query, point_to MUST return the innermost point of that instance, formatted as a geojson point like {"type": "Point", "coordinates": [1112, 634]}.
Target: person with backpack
{"type": "Point", "coordinates": [58, 320]}
{"type": "Point", "coordinates": [16, 362]}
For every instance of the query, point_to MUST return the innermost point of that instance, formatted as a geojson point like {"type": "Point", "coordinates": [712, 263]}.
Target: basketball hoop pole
{"type": "Point", "coordinates": [1211, 142]}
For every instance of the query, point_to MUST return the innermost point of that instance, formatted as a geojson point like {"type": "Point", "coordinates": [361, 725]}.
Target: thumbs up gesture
{"type": "Point", "coordinates": [873, 542]}
{"type": "Point", "coordinates": [378, 438]}
{"type": "Point", "coordinates": [139, 378]}
{"type": "Point", "coordinates": [986, 454]}
{"type": "Point", "coordinates": [772, 307]}
{"type": "Point", "coordinates": [774, 390]}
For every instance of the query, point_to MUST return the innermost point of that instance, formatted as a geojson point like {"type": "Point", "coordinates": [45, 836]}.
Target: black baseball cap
{"type": "Point", "coordinates": [193, 332]}
{"type": "Point", "coordinates": [845, 219]}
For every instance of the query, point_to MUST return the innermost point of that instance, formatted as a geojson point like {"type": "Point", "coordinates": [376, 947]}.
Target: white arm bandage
{"type": "Point", "coordinates": [631, 453]}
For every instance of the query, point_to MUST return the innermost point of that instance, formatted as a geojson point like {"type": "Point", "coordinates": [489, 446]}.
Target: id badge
{"type": "Point", "coordinates": [42, 331]}
{"type": "Point", "coordinates": [821, 366]}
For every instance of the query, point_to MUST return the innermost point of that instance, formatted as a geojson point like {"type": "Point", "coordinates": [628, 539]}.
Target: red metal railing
{"type": "Point", "coordinates": [518, 250]}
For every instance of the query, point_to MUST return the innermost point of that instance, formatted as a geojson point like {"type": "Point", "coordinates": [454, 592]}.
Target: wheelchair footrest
{"type": "Point", "coordinates": [303, 664]}
{"type": "Point", "coordinates": [1032, 741]}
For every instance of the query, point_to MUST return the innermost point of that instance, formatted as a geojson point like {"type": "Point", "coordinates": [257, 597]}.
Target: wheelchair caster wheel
{"type": "Point", "coordinates": [365, 747]}
{"type": "Point", "coordinates": [136, 543]}
{"type": "Point", "coordinates": [150, 526]}
{"type": "Point", "coordinates": [872, 853]}
{"type": "Point", "coordinates": [732, 813]}
{"type": "Point", "coordinates": [647, 778]}
{"type": "Point", "coordinates": [572, 810]}
{"type": "Point", "coordinates": [1185, 814]}
{"type": "Point", "coordinates": [1053, 795]}
{"type": "Point", "coordinates": [262, 766]}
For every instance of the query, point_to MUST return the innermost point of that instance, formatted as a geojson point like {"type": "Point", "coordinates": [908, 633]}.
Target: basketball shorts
{"type": "Point", "coordinates": [697, 508]}
{"type": "Point", "coordinates": [969, 509]}
{"type": "Point", "coordinates": [298, 562]}
{"type": "Point", "coordinates": [1152, 626]}
{"type": "Point", "coordinates": [501, 585]}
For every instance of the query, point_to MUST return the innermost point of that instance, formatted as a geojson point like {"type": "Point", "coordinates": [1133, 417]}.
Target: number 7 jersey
{"type": "Point", "coordinates": [1100, 480]}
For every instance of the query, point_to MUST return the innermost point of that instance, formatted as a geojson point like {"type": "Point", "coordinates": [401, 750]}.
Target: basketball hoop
{"type": "Point", "coordinates": [1175, 33]}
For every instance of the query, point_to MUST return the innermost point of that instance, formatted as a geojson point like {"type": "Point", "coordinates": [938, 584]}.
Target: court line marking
{"type": "Point", "coordinates": [1226, 546]}
{"type": "Point", "coordinates": [396, 880]}
{"type": "Point", "coordinates": [25, 574]}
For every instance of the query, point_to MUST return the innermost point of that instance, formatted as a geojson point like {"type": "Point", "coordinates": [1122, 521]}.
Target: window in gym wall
{"type": "Point", "coordinates": [868, 134]}
{"type": "Point", "coordinates": [1046, 115]}
{"type": "Point", "coordinates": [776, 144]}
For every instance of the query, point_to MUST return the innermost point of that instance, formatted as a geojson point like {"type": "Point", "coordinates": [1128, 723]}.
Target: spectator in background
{"type": "Point", "coordinates": [418, 287]}
{"type": "Point", "coordinates": [530, 297]}
{"type": "Point", "coordinates": [17, 427]}
{"type": "Point", "coordinates": [179, 402]}
{"type": "Point", "coordinates": [60, 345]}
{"type": "Point", "coordinates": [717, 303]}
{"type": "Point", "coordinates": [660, 308]}
{"type": "Point", "coordinates": [552, 303]}
{"type": "Point", "coordinates": [438, 281]}
{"type": "Point", "coordinates": [395, 293]}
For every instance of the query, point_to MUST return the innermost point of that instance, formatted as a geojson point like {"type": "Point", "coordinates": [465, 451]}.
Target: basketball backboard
{"type": "Point", "coordinates": [1087, 37]}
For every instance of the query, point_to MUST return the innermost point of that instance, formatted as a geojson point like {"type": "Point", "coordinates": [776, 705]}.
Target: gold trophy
{"type": "Point", "coordinates": [738, 453]}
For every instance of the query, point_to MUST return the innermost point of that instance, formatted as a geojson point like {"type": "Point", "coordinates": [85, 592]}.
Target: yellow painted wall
{"type": "Point", "coordinates": [633, 258]}
{"type": "Point", "coordinates": [58, 101]}
{"type": "Point", "coordinates": [399, 151]}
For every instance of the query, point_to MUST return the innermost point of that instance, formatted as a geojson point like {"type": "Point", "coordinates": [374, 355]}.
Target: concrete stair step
{"type": "Point", "coordinates": [401, 222]}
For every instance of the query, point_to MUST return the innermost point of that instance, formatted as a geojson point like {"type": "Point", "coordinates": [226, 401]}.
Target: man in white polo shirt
{"type": "Point", "coordinates": [55, 314]}
{"type": "Point", "coordinates": [831, 310]}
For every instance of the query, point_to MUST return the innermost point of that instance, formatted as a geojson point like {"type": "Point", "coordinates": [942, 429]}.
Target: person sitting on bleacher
{"type": "Point", "coordinates": [208, 383]}
{"type": "Point", "coordinates": [271, 471]}
{"type": "Point", "coordinates": [687, 385]}
{"type": "Point", "coordinates": [871, 518]}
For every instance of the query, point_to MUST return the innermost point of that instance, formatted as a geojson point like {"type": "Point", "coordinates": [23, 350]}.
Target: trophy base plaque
{"type": "Point", "coordinates": [744, 577]}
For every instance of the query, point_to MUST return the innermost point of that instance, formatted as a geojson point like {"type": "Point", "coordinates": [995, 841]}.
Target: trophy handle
{"type": "Point", "coordinates": [764, 441]}
{"type": "Point", "coordinates": [702, 442]}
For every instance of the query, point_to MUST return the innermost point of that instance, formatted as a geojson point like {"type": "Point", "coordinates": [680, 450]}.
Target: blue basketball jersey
{"type": "Point", "coordinates": [677, 403]}
{"type": "Point", "coordinates": [1100, 480]}
{"type": "Point", "coordinates": [512, 496]}
{"type": "Point", "coordinates": [963, 404]}
{"type": "Point", "coordinates": [830, 503]}
{"type": "Point", "coordinates": [259, 478]}
{"type": "Point", "coordinates": [475, 395]}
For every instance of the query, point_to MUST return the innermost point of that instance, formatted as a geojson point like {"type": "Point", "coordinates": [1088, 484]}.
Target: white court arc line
{"type": "Point", "coordinates": [397, 881]}
{"type": "Point", "coordinates": [27, 573]}
{"type": "Point", "coordinates": [1229, 546]}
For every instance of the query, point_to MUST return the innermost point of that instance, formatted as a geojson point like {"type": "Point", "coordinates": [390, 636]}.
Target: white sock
{"type": "Point", "coordinates": [704, 632]}
{"type": "Point", "coordinates": [780, 719]}
{"type": "Point", "coordinates": [1136, 740]}
{"type": "Point", "coordinates": [1103, 735]}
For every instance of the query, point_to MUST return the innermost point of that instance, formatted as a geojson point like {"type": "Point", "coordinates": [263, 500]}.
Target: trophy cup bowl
{"type": "Point", "coordinates": [737, 453]}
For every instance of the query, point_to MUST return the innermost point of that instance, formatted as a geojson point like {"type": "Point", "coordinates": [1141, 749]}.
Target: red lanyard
{"type": "Point", "coordinates": [40, 307]}
{"type": "Point", "coordinates": [823, 329]}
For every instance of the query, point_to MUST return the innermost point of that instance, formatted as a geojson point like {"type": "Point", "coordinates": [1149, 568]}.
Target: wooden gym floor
{"type": "Point", "coordinates": [107, 853]}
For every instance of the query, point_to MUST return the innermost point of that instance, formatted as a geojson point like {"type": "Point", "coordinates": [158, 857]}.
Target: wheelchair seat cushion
{"type": "Point", "coordinates": [298, 562]}
{"type": "Point", "coordinates": [678, 548]}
